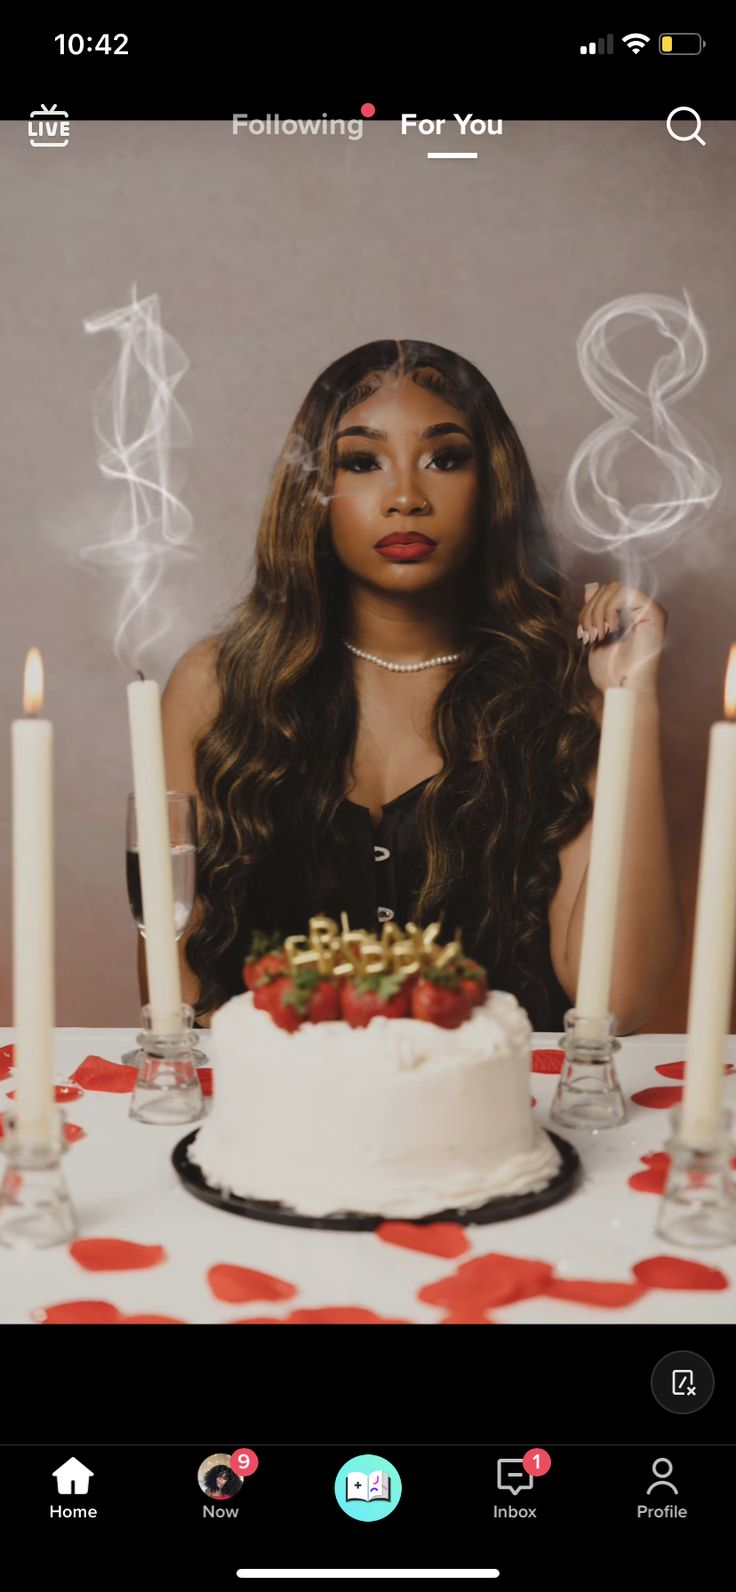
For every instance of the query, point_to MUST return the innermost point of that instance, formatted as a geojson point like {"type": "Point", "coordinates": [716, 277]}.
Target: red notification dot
{"type": "Point", "coordinates": [536, 1462]}
{"type": "Point", "coordinates": [244, 1462]}
{"type": "Point", "coordinates": [367, 109]}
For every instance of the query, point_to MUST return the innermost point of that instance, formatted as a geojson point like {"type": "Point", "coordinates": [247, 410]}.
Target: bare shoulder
{"type": "Point", "coordinates": [189, 706]}
{"type": "Point", "coordinates": [192, 690]}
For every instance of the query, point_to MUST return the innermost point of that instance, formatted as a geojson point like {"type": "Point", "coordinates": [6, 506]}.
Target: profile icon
{"type": "Point", "coordinates": [216, 1477]}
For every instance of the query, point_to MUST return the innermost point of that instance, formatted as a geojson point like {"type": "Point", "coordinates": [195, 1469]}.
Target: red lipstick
{"type": "Point", "coordinates": [405, 546]}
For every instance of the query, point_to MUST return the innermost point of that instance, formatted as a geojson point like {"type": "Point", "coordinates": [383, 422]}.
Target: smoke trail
{"type": "Point", "coordinates": [138, 422]}
{"type": "Point", "coordinates": [683, 481]}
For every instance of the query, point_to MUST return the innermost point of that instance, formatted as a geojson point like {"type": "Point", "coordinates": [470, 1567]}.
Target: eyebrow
{"type": "Point", "coordinates": [439, 430]}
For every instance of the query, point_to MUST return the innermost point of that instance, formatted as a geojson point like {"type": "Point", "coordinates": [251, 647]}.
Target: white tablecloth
{"type": "Point", "coordinates": [123, 1186]}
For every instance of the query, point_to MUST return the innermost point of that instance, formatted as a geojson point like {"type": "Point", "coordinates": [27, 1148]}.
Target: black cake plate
{"type": "Point", "coordinates": [501, 1209]}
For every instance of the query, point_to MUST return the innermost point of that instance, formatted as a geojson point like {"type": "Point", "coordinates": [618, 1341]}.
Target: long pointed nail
{"type": "Point", "coordinates": [586, 638]}
{"type": "Point", "coordinates": [606, 628]}
{"type": "Point", "coordinates": [580, 632]}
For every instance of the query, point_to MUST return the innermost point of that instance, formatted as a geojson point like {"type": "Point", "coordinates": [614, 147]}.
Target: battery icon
{"type": "Point", "coordinates": [680, 44]}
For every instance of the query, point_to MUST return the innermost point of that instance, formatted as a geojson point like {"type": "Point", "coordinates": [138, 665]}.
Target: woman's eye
{"type": "Point", "coordinates": [355, 461]}
{"type": "Point", "coordinates": [446, 459]}
{"type": "Point", "coordinates": [453, 456]}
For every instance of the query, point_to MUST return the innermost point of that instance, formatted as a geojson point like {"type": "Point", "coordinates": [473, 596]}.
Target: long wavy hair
{"type": "Point", "coordinates": [514, 722]}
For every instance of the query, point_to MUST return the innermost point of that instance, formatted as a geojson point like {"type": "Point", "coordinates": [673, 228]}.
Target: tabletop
{"type": "Point", "coordinates": [148, 1251]}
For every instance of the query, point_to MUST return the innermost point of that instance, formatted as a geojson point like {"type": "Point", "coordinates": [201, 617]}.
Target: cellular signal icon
{"type": "Point", "coordinates": [635, 41]}
{"type": "Point", "coordinates": [603, 47]}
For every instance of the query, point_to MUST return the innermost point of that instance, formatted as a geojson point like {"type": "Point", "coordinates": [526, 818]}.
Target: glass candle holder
{"type": "Point", "coordinates": [35, 1209]}
{"type": "Point", "coordinates": [167, 1090]}
{"type": "Point", "coordinates": [698, 1207]}
{"type": "Point", "coordinates": [588, 1093]}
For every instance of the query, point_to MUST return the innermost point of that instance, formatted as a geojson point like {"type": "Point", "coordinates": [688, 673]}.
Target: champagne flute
{"type": "Point", "coordinates": [183, 832]}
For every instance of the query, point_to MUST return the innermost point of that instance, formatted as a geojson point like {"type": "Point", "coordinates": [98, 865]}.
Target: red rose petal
{"type": "Point", "coordinates": [169, 1321]}
{"type": "Point", "coordinates": [436, 1238]}
{"type": "Point", "coordinates": [609, 1295]}
{"type": "Point", "coordinates": [658, 1098]}
{"type": "Point", "coordinates": [115, 1254]}
{"type": "Point", "coordinates": [654, 1180]}
{"type": "Point", "coordinates": [7, 1058]}
{"type": "Point", "coordinates": [64, 1092]}
{"type": "Point", "coordinates": [78, 1312]}
{"type": "Point", "coordinates": [468, 1318]}
{"type": "Point", "coordinates": [235, 1285]}
{"type": "Point", "coordinates": [547, 1060]}
{"type": "Point", "coordinates": [488, 1280]}
{"type": "Point", "coordinates": [533, 1101]}
{"type": "Point", "coordinates": [254, 1321]}
{"type": "Point", "coordinates": [669, 1271]}
{"type": "Point", "coordinates": [650, 1182]}
{"type": "Point", "coordinates": [109, 1077]}
{"type": "Point", "coordinates": [205, 1078]}
{"type": "Point", "coordinates": [676, 1069]}
{"type": "Point", "coordinates": [345, 1314]}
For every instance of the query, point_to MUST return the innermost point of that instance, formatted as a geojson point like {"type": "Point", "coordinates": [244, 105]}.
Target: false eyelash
{"type": "Point", "coordinates": [458, 454]}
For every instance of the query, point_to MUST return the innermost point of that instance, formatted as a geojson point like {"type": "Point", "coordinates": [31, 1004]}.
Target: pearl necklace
{"type": "Point", "coordinates": [402, 668]}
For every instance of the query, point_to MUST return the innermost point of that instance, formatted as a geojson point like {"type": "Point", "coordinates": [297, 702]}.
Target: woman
{"type": "Point", "coordinates": [412, 733]}
{"type": "Point", "coordinates": [219, 1482]}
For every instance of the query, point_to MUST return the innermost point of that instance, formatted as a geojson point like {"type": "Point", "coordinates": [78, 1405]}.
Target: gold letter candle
{"type": "Point", "coordinates": [33, 913]}
{"type": "Point", "coordinates": [154, 848]}
{"type": "Point", "coordinates": [714, 946]}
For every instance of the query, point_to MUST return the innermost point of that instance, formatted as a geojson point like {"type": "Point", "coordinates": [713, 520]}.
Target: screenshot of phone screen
{"type": "Point", "coordinates": [368, 831]}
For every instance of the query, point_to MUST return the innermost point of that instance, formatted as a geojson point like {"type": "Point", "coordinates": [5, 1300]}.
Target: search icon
{"type": "Point", "coordinates": [684, 138]}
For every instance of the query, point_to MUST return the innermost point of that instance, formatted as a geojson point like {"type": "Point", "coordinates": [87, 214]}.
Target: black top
{"type": "Point", "coordinates": [379, 871]}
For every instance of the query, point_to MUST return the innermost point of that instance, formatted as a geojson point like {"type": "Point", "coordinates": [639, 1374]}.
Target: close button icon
{"type": "Point", "coordinates": [682, 1382]}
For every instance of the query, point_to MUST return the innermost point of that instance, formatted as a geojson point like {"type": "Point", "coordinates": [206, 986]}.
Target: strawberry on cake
{"type": "Point", "coordinates": [358, 1076]}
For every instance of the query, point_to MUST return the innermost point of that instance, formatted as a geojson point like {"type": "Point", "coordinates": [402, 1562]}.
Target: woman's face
{"type": "Point", "coordinates": [221, 1478]}
{"type": "Point", "coordinates": [413, 469]}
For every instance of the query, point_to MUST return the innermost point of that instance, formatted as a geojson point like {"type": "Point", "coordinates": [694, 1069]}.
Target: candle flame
{"type": "Point", "coordinates": [729, 690]}
{"type": "Point", "coordinates": [33, 682]}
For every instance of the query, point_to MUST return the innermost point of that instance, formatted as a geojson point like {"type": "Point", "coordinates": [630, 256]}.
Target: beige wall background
{"type": "Point", "coordinates": [271, 256]}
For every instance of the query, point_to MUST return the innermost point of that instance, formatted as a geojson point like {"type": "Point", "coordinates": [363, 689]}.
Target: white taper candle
{"type": "Point", "coordinates": [714, 945]}
{"type": "Point", "coordinates": [606, 852]}
{"type": "Point", "coordinates": [154, 847]}
{"type": "Point", "coordinates": [33, 914]}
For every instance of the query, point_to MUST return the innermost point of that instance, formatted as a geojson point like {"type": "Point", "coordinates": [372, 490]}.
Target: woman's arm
{"type": "Point", "coordinates": [650, 928]}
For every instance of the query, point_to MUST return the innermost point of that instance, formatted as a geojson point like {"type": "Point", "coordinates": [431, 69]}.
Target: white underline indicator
{"type": "Point", "coordinates": [452, 154]}
{"type": "Point", "coordinates": [367, 1575]}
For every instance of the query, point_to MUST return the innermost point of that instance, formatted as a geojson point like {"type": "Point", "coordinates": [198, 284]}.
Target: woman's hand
{"type": "Point", "coordinates": [623, 632]}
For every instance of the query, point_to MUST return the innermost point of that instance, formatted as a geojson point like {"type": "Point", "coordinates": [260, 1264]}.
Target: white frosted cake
{"type": "Point", "coordinates": [400, 1118]}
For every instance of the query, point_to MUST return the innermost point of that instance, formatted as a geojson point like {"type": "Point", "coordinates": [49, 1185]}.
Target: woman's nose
{"type": "Point", "coordinates": [405, 500]}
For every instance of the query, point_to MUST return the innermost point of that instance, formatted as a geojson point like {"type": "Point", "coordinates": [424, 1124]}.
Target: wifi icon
{"type": "Point", "coordinates": [635, 41]}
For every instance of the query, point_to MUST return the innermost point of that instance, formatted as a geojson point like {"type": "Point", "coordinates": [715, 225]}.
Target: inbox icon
{"type": "Point", "coordinates": [512, 1477]}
